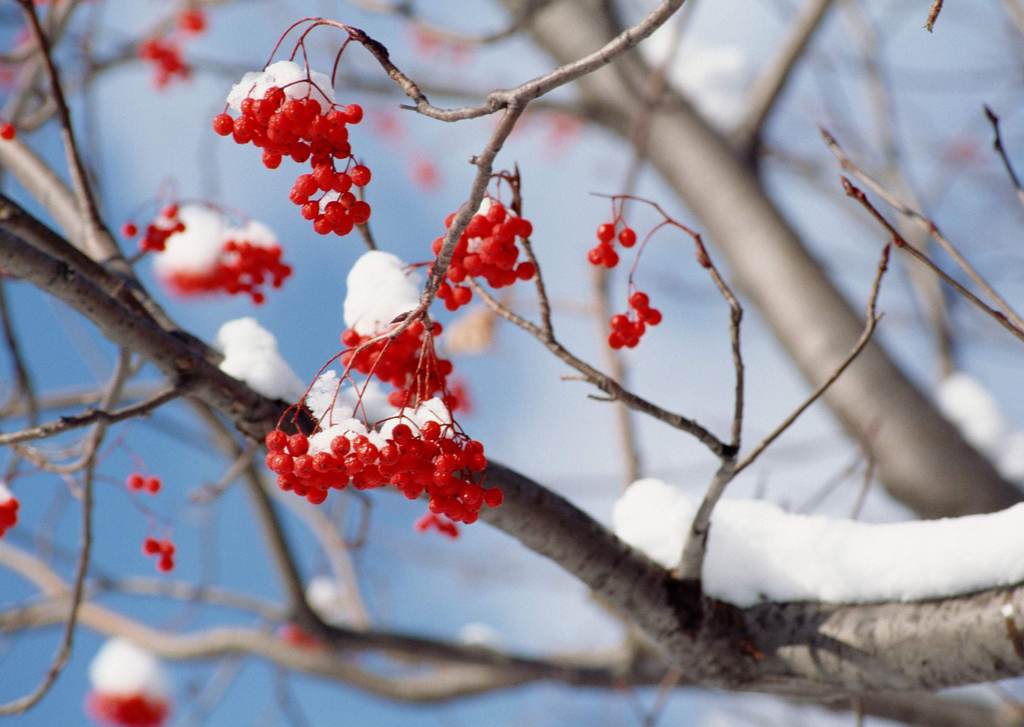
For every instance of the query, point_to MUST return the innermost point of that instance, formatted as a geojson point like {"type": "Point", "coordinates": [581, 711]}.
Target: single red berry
{"type": "Point", "coordinates": [128, 229]}
{"type": "Point", "coordinates": [360, 175]}
{"type": "Point", "coordinates": [627, 237]}
{"type": "Point", "coordinates": [165, 564]}
{"type": "Point", "coordinates": [431, 430]}
{"type": "Point", "coordinates": [276, 441]}
{"type": "Point", "coordinates": [223, 124]}
{"type": "Point", "coordinates": [652, 316]}
{"type": "Point", "coordinates": [7, 131]}
{"type": "Point", "coordinates": [150, 546]}
{"type": "Point", "coordinates": [298, 444]}
{"type": "Point", "coordinates": [494, 497]}
{"type": "Point", "coordinates": [135, 481]}
{"type": "Point", "coordinates": [153, 484]}
{"type": "Point", "coordinates": [605, 232]}
{"type": "Point", "coordinates": [639, 301]}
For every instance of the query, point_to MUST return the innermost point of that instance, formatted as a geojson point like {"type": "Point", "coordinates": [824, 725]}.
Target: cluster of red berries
{"type": "Point", "coordinates": [165, 56]}
{"type": "Point", "coordinates": [8, 514]}
{"type": "Point", "coordinates": [244, 267]}
{"type": "Point", "coordinates": [7, 131]}
{"type": "Point", "coordinates": [299, 128]}
{"type": "Point", "coordinates": [446, 465]}
{"type": "Point", "coordinates": [135, 710]}
{"type": "Point", "coordinates": [162, 548]}
{"type": "Point", "coordinates": [137, 482]}
{"type": "Point", "coordinates": [430, 521]}
{"type": "Point", "coordinates": [604, 252]}
{"type": "Point", "coordinates": [164, 53]}
{"type": "Point", "coordinates": [628, 328]}
{"type": "Point", "coordinates": [407, 362]}
{"type": "Point", "coordinates": [486, 249]}
{"type": "Point", "coordinates": [157, 231]}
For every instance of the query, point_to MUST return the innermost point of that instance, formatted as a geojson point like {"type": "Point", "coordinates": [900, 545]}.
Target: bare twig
{"type": "Point", "coordinates": [60, 660]}
{"type": "Point", "coordinates": [768, 87]}
{"type": "Point", "coordinates": [68, 423]}
{"type": "Point", "coordinates": [870, 323]}
{"type": "Point", "coordinates": [1007, 311]}
{"type": "Point", "coordinates": [933, 15]}
{"type": "Point", "coordinates": [997, 144]}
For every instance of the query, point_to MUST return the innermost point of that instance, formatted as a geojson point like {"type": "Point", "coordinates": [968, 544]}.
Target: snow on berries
{"type": "Point", "coordinates": [128, 686]}
{"type": "Point", "coordinates": [200, 252]}
{"type": "Point", "coordinates": [290, 111]}
{"type": "Point", "coordinates": [486, 249]}
{"type": "Point", "coordinates": [251, 355]}
{"type": "Point", "coordinates": [162, 550]}
{"type": "Point", "coordinates": [8, 509]}
{"type": "Point", "coordinates": [359, 439]}
{"type": "Point", "coordinates": [138, 482]}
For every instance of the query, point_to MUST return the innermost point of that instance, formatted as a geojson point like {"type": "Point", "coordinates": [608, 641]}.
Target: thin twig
{"type": "Point", "coordinates": [898, 240]}
{"type": "Point", "coordinates": [68, 423]}
{"type": "Point", "coordinates": [933, 15]}
{"type": "Point", "coordinates": [60, 660]}
{"type": "Point", "coordinates": [850, 166]}
{"type": "Point", "coordinates": [997, 144]}
{"type": "Point", "coordinates": [870, 323]}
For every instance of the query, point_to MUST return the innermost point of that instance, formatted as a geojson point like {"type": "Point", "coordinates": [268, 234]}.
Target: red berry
{"type": "Point", "coordinates": [652, 316]}
{"type": "Point", "coordinates": [135, 481]}
{"type": "Point", "coordinates": [7, 131]}
{"type": "Point", "coordinates": [627, 237]}
{"type": "Point", "coordinates": [150, 546]}
{"type": "Point", "coordinates": [605, 232]}
{"type": "Point", "coordinates": [128, 229]}
{"type": "Point", "coordinates": [223, 124]}
{"type": "Point", "coordinates": [153, 485]}
{"type": "Point", "coordinates": [360, 175]}
{"type": "Point", "coordinates": [276, 441]}
{"type": "Point", "coordinates": [639, 301]}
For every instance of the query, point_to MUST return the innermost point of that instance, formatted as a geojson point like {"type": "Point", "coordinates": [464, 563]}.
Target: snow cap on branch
{"type": "Point", "coordinates": [251, 355]}
{"type": "Point", "coordinates": [757, 552]}
{"type": "Point", "coordinates": [326, 598]}
{"type": "Point", "coordinates": [379, 288]}
{"type": "Point", "coordinates": [290, 77]}
{"type": "Point", "coordinates": [121, 668]}
{"type": "Point", "coordinates": [5, 493]}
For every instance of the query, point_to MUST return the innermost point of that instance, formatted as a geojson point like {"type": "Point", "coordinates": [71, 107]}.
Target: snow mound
{"type": "Point", "coordinates": [757, 552]}
{"type": "Point", "coordinates": [198, 248]}
{"type": "Point", "coordinates": [121, 668]}
{"type": "Point", "coordinates": [289, 77]}
{"type": "Point", "coordinates": [379, 288]}
{"type": "Point", "coordinates": [326, 598]}
{"type": "Point", "coordinates": [251, 355]}
{"type": "Point", "coordinates": [5, 493]}
{"type": "Point", "coordinates": [329, 403]}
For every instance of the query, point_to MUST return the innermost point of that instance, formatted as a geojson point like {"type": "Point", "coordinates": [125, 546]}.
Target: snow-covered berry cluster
{"type": "Point", "coordinates": [158, 231]}
{"type": "Point", "coordinates": [366, 439]}
{"type": "Point", "coordinates": [8, 509]}
{"type": "Point", "coordinates": [162, 548]}
{"type": "Point", "coordinates": [604, 252]}
{"type": "Point", "coordinates": [289, 111]}
{"type": "Point", "coordinates": [419, 451]}
{"type": "Point", "coordinates": [628, 328]}
{"type": "Point", "coordinates": [128, 686]}
{"type": "Point", "coordinates": [486, 249]}
{"type": "Point", "coordinates": [201, 252]}
{"type": "Point", "coordinates": [137, 482]}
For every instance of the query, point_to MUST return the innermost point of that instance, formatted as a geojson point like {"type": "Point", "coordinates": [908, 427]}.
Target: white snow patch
{"type": "Point", "coordinates": [288, 76]}
{"type": "Point", "coordinates": [976, 413]}
{"type": "Point", "coordinates": [326, 598]}
{"type": "Point", "coordinates": [5, 493]}
{"type": "Point", "coordinates": [351, 428]}
{"type": "Point", "coordinates": [757, 552]}
{"type": "Point", "coordinates": [251, 355]}
{"type": "Point", "coordinates": [379, 288]}
{"type": "Point", "coordinates": [197, 248]}
{"type": "Point", "coordinates": [479, 634]}
{"type": "Point", "coordinates": [714, 77]}
{"type": "Point", "coordinates": [346, 401]}
{"type": "Point", "coordinates": [432, 410]}
{"type": "Point", "coordinates": [120, 668]}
